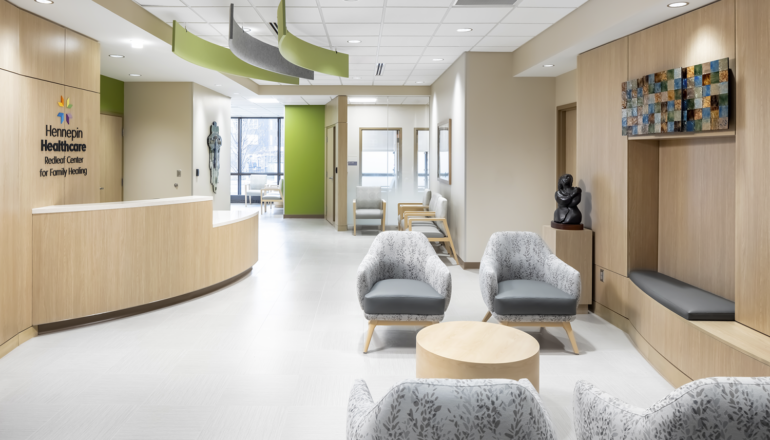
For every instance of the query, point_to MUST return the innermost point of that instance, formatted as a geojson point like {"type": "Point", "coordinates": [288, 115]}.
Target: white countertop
{"type": "Point", "coordinates": [59, 209]}
{"type": "Point", "coordinates": [222, 218]}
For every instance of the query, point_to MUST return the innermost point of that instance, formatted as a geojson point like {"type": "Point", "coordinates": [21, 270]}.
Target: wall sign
{"type": "Point", "coordinates": [689, 99]}
{"type": "Point", "coordinates": [215, 144]}
{"type": "Point", "coordinates": [67, 162]}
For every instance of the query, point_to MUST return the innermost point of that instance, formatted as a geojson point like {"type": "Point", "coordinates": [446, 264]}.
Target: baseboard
{"type": "Point", "coordinates": [18, 339]}
{"type": "Point", "coordinates": [303, 216]}
{"type": "Point", "coordinates": [467, 265]}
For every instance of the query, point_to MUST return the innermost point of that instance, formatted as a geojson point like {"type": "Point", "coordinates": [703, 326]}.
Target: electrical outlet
{"type": "Point", "coordinates": [601, 275]}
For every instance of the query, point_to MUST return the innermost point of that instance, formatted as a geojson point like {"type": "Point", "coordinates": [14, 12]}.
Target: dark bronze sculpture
{"type": "Point", "coordinates": [568, 199]}
{"type": "Point", "coordinates": [215, 144]}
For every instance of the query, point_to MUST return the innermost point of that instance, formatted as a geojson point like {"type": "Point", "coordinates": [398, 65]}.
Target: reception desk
{"type": "Point", "coordinates": [104, 260]}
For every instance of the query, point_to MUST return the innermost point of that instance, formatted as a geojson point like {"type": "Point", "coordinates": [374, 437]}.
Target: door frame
{"type": "Point", "coordinates": [561, 137]}
{"type": "Point", "coordinates": [399, 160]}
{"type": "Point", "coordinates": [416, 161]}
{"type": "Point", "coordinates": [334, 128]}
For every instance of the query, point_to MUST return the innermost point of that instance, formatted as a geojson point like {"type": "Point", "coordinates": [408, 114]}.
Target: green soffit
{"type": "Point", "coordinates": [211, 56]}
{"type": "Point", "coordinates": [306, 55]}
{"type": "Point", "coordinates": [111, 96]}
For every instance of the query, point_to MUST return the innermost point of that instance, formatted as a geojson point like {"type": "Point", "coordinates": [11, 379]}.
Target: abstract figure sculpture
{"type": "Point", "coordinates": [568, 199]}
{"type": "Point", "coordinates": [215, 144]}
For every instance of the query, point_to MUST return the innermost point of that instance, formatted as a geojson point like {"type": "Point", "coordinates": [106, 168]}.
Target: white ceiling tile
{"type": "Point", "coordinates": [494, 48]}
{"type": "Point", "coordinates": [353, 29]}
{"type": "Point", "coordinates": [423, 84]}
{"type": "Point", "coordinates": [222, 14]}
{"type": "Point", "coordinates": [356, 59]}
{"type": "Point", "coordinates": [360, 77]}
{"type": "Point", "coordinates": [455, 41]}
{"type": "Point", "coordinates": [293, 15]}
{"type": "Point", "coordinates": [255, 29]}
{"type": "Point", "coordinates": [388, 83]}
{"type": "Point", "coordinates": [415, 3]}
{"type": "Point", "coordinates": [352, 15]}
{"type": "Point", "coordinates": [393, 77]}
{"type": "Point", "coordinates": [415, 78]}
{"type": "Point", "coordinates": [348, 3]}
{"type": "Point", "coordinates": [551, 3]}
{"type": "Point", "coordinates": [274, 3]}
{"type": "Point", "coordinates": [429, 72]}
{"type": "Point", "coordinates": [503, 41]}
{"type": "Point", "coordinates": [399, 66]}
{"type": "Point", "coordinates": [476, 15]}
{"type": "Point", "coordinates": [446, 50]}
{"type": "Point", "coordinates": [200, 29]}
{"type": "Point", "coordinates": [401, 50]}
{"type": "Point", "coordinates": [397, 59]}
{"type": "Point", "coordinates": [352, 82]}
{"type": "Point", "coordinates": [145, 3]}
{"type": "Point", "coordinates": [416, 100]}
{"type": "Point", "coordinates": [182, 15]}
{"type": "Point", "coordinates": [404, 41]}
{"type": "Point", "coordinates": [537, 15]}
{"type": "Point", "coordinates": [518, 30]}
{"type": "Point", "coordinates": [306, 29]}
{"type": "Point", "coordinates": [364, 41]}
{"type": "Point", "coordinates": [355, 50]}
{"type": "Point", "coordinates": [213, 2]}
{"type": "Point", "coordinates": [408, 29]}
{"type": "Point", "coordinates": [316, 41]}
{"type": "Point", "coordinates": [216, 39]}
{"type": "Point", "coordinates": [414, 15]}
{"type": "Point", "coordinates": [450, 30]}
{"type": "Point", "coordinates": [432, 66]}
{"type": "Point", "coordinates": [446, 59]}
{"type": "Point", "coordinates": [366, 65]}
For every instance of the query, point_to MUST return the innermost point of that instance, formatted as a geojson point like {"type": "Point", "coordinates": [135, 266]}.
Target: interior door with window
{"type": "Point", "coordinates": [380, 156]}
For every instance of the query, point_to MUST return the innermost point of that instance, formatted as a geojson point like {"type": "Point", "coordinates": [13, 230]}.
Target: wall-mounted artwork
{"type": "Point", "coordinates": [689, 99]}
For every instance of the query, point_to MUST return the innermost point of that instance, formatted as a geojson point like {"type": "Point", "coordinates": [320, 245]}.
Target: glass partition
{"type": "Point", "coordinates": [256, 148]}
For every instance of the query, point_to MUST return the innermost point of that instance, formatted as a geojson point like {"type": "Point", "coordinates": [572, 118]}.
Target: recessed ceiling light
{"type": "Point", "coordinates": [134, 74]}
{"type": "Point", "coordinates": [235, 93]}
{"type": "Point", "coordinates": [418, 82]}
{"type": "Point", "coordinates": [678, 4]}
{"type": "Point", "coordinates": [136, 44]}
{"type": "Point", "coordinates": [547, 65]}
{"type": "Point", "coordinates": [218, 85]}
{"type": "Point", "coordinates": [114, 55]}
{"type": "Point", "coordinates": [45, 2]}
{"type": "Point", "coordinates": [264, 101]}
{"type": "Point", "coordinates": [356, 77]}
{"type": "Point", "coordinates": [464, 30]}
{"type": "Point", "coordinates": [354, 41]}
{"type": "Point", "coordinates": [438, 59]}
{"type": "Point", "coordinates": [246, 29]}
{"type": "Point", "coordinates": [362, 100]}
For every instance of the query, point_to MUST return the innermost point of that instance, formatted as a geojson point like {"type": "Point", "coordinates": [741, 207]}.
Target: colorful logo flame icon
{"type": "Point", "coordinates": [65, 113]}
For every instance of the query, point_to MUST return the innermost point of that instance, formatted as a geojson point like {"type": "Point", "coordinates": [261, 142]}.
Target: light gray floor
{"type": "Point", "coordinates": [271, 357]}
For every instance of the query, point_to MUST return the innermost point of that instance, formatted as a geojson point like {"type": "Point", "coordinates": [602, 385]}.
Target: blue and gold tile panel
{"type": "Point", "coordinates": [689, 99]}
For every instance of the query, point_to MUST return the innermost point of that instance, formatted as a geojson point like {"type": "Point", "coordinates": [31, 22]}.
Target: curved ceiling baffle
{"type": "Point", "coordinates": [211, 56]}
{"type": "Point", "coordinates": [260, 54]}
{"type": "Point", "coordinates": [306, 55]}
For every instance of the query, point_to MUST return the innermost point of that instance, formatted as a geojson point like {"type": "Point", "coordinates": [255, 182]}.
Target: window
{"type": "Point", "coordinates": [422, 150]}
{"type": "Point", "coordinates": [256, 148]}
{"type": "Point", "coordinates": [379, 160]}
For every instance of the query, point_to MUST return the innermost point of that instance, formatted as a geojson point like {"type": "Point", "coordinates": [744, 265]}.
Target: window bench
{"type": "Point", "coordinates": [687, 301]}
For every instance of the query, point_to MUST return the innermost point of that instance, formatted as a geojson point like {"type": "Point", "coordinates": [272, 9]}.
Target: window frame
{"type": "Point", "coordinates": [417, 174]}
{"type": "Point", "coordinates": [279, 174]}
{"type": "Point", "coordinates": [399, 155]}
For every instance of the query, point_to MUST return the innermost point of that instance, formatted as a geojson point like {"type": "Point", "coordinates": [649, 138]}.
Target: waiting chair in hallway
{"type": "Point", "coordinates": [715, 408]}
{"type": "Point", "coordinates": [368, 205]}
{"type": "Point", "coordinates": [254, 187]}
{"type": "Point", "coordinates": [417, 409]}
{"type": "Point", "coordinates": [402, 282]}
{"type": "Point", "coordinates": [412, 207]}
{"type": "Point", "coordinates": [523, 284]}
{"type": "Point", "coordinates": [432, 223]}
{"type": "Point", "coordinates": [270, 195]}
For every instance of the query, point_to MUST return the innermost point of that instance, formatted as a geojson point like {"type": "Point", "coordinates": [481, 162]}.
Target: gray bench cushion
{"type": "Point", "coordinates": [273, 196]}
{"type": "Point", "coordinates": [685, 300]}
{"type": "Point", "coordinates": [403, 297]}
{"type": "Point", "coordinates": [525, 297]}
{"type": "Point", "coordinates": [428, 230]}
{"type": "Point", "coordinates": [368, 214]}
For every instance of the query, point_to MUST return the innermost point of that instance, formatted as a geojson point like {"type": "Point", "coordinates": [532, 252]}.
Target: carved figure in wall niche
{"type": "Point", "coordinates": [568, 199]}
{"type": "Point", "coordinates": [215, 144]}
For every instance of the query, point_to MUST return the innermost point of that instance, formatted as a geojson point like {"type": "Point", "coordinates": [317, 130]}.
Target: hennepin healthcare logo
{"type": "Point", "coordinates": [66, 113]}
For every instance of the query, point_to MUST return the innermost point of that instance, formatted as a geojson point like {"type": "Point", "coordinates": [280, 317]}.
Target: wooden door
{"type": "Point", "coordinates": [331, 144]}
{"type": "Point", "coordinates": [111, 170]}
{"type": "Point", "coordinates": [570, 138]}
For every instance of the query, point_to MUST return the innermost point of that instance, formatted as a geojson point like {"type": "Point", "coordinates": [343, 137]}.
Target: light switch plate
{"type": "Point", "coordinates": [178, 173]}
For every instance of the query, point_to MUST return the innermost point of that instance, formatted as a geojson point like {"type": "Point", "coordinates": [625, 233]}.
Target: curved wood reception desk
{"type": "Point", "coordinates": [90, 261]}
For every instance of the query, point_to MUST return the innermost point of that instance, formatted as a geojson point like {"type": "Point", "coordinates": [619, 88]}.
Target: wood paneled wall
{"type": "Point", "coordinates": [41, 62]}
{"type": "Point", "coordinates": [95, 262]}
{"type": "Point", "coordinates": [697, 213]}
{"type": "Point", "coordinates": [643, 164]}
{"type": "Point", "coordinates": [752, 259]}
{"type": "Point", "coordinates": [602, 152]}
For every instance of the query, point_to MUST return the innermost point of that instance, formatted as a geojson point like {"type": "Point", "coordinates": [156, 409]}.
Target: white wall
{"type": "Point", "coordinates": [448, 96]}
{"type": "Point", "coordinates": [210, 106]}
{"type": "Point", "coordinates": [157, 137]}
{"type": "Point", "coordinates": [566, 88]}
{"type": "Point", "coordinates": [405, 117]}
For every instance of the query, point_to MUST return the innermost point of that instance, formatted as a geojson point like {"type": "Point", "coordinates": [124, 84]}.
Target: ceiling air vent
{"type": "Point", "coordinates": [378, 72]}
{"type": "Point", "coordinates": [485, 2]}
{"type": "Point", "coordinates": [274, 27]}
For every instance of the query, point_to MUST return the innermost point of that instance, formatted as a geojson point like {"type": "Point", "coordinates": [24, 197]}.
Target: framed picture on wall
{"type": "Point", "coordinates": [445, 151]}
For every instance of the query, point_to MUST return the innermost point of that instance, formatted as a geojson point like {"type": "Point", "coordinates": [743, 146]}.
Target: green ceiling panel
{"type": "Point", "coordinates": [211, 56]}
{"type": "Point", "coordinates": [306, 55]}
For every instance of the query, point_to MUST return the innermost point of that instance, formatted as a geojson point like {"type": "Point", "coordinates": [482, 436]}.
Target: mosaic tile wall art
{"type": "Point", "coordinates": [689, 99]}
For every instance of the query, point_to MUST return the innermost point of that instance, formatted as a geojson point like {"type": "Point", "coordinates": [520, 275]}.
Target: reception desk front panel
{"type": "Point", "coordinates": [100, 258]}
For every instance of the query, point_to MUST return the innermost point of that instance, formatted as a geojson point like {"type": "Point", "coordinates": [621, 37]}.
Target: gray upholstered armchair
{"type": "Point", "coordinates": [715, 408]}
{"type": "Point", "coordinates": [368, 205]}
{"type": "Point", "coordinates": [416, 409]}
{"type": "Point", "coordinates": [524, 284]}
{"type": "Point", "coordinates": [402, 282]}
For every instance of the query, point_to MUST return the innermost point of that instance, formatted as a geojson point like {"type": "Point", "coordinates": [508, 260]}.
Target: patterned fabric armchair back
{"type": "Point", "coordinates": [368, 197]}
{"type": "Point", "coordinates": [517, 256]}
{"type": "Point", "coordinates": [422, 409]}
{"type": "Point", "coordinates": [715, 408]}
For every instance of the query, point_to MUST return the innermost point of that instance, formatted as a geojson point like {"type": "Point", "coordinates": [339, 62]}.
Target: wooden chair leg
{"type": "Point", "coordinates": [369, 333]}
{"type": "Point", "coordinates": [568, 328]}
{"type": "Point", "coordinates": [486, 317]}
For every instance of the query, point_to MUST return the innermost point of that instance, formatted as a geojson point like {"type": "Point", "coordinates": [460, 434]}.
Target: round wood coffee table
{"type": "Point", "coordinates": [477, 350]}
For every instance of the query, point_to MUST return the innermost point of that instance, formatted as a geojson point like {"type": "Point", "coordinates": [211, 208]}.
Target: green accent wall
{"type": "Point", "coordinates": [111, 96]}
{"type": "Point", "coordinates": [304, 159]}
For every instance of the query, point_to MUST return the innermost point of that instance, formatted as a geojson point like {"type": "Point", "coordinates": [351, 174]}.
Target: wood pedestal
{"type": "Point", "coordinates": [576, 249]}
